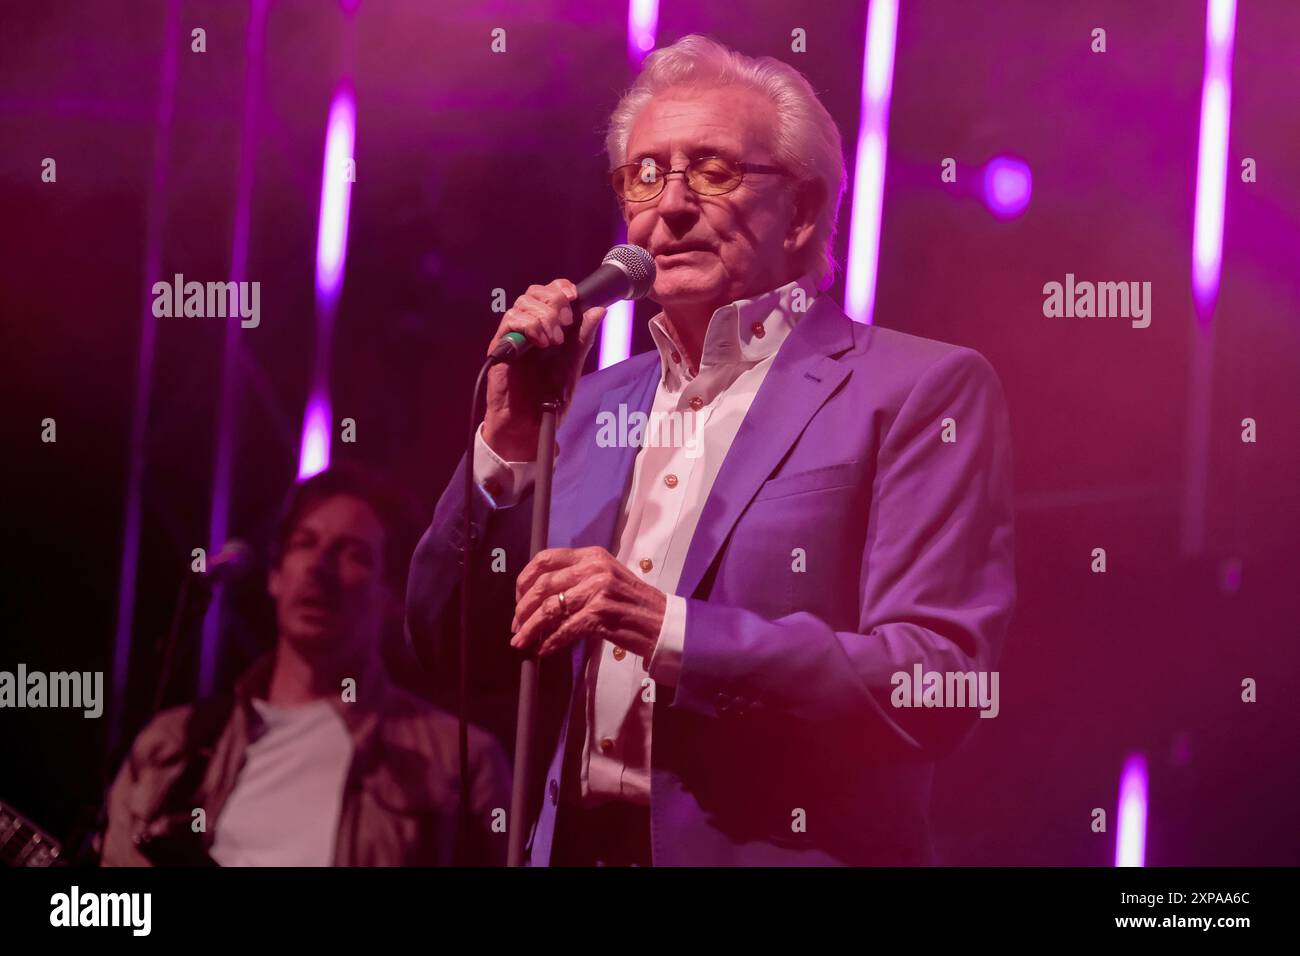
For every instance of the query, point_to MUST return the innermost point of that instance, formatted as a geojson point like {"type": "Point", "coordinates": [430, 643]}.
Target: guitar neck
{"type": "Point", "coordinates": [23, 843]}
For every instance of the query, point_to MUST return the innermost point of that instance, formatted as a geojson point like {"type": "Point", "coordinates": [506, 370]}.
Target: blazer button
{"type": "Point", "coordinates": [554, 790]}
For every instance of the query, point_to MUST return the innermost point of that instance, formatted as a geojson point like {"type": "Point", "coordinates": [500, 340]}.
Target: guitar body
{"type": "Point", "coordinates": [23, 843]}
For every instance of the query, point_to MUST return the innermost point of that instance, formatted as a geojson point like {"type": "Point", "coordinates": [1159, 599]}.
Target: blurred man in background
{"type": "Point", "coordinates": [317, 758]}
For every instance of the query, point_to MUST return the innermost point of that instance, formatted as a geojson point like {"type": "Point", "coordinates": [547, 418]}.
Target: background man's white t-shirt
{"type": "Point", "coordinates": [284, 810]}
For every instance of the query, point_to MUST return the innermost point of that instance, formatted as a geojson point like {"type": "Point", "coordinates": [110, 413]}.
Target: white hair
{"type": "Point", "coordinates": [807, 141]}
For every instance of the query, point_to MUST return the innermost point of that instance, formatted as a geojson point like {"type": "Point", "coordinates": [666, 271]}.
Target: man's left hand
{"type": "Point", "coordinates": [602, 598]}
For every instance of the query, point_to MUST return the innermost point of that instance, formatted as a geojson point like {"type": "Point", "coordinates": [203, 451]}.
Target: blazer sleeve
{"type": "Point", "coordinates": [433, 589]}
{"type": "Point", "coordinates": [935, 585]}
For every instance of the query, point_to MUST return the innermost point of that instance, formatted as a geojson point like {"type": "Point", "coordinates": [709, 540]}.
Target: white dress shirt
{"type": "Point", "coordinates": [670, 485]}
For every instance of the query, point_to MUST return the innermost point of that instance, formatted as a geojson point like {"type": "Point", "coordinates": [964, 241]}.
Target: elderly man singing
{"type": "Point", "coordinates": [730, 632]}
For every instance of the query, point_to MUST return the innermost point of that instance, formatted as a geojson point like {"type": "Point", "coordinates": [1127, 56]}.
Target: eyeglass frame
{"type": "Point", "coordinates": [743, 168]}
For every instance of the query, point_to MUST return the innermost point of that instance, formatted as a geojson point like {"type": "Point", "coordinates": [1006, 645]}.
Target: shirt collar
{"type": "Point", "coordinates": [745, 331]}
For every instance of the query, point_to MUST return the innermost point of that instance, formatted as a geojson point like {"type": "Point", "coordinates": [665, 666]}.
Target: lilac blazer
{"type": "Point", "coordinates": [844, 541]}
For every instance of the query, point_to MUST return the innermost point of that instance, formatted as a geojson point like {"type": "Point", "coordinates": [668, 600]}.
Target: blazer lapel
{"type": "Point", "coordinates": [801, 379]}
{"type": "Point", "coordinates": [587, 511]}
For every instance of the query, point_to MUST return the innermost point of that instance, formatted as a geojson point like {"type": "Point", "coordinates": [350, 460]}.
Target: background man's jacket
{"type": "Point", "coordinates": [844, 541]}
{"type": "Point", "coordinates": [400, 799]}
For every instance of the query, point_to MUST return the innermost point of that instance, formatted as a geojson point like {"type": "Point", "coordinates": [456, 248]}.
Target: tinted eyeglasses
{"type": "Point", "coordinates": [707, 176]}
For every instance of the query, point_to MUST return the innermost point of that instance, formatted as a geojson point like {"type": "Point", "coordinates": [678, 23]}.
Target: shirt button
{"type": "Point", "coordinates": [758, 330]}
{"type": "Point", "coordinates": [619, 653]}
{"type": "Point", "coordinates": [646, 564]}
{"type": "Point", "coordinates": [606, 745]}
{"type": "Point", "coordinates": [697, 403]}
{"type": "Point", "coordinates": [677, 359]}
{"type": "Point", "coordinates": [670, 481]}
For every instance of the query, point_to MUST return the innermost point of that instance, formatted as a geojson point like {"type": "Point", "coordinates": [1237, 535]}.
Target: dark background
{"type": "Point", "coordinates": [477, 171]}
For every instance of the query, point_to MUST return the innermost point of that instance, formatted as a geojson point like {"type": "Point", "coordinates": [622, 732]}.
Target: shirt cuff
{"type": "Point", "coordinates": [504, 482]}
{"type": "Point", "coordinates": [666, 662]}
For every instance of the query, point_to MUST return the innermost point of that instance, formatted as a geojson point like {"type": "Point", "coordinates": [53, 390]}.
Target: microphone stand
{"type": "Point", "coordinates": [627, 272]}
{"type": "Point", "coordinates": [555, 381]}
{"type": "Point", "coordinates": [529, 672]}
{"type": "Point", "coordinates": [191, 604]}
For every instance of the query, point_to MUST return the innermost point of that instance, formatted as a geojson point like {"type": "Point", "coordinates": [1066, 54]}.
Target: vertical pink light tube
{"type": "Point", "coordinates": [642, 23]}
{"type": "Point", "coordinates": [616, 334]}
{"type": "Point", "coordinates": [335, 193]}
{"type": "Point", "coordinates": [1212, 156]}
{"type": "Point", "coordinates": [1207, 261]}
{"type": "Point", "coordinates": [1131, 836]}
{"type": "Point", "coordinates": [869, 169]}
{"type": "Point", "coordinates": [314, 454]}
{"type": "Point", "coordinates": [616, 329]}
{"type": "Point", "coordinates": [155, 215]}
{"type": "Point", "coordinates": [331, 257]}
{"type": "Point", "coordinates": [227, 409]}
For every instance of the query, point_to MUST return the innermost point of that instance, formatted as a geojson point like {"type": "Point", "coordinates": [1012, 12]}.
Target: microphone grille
{"type": "Point", "coordinates": [234, 551]}
{"type": "Point", "coordinates": [637, 263]}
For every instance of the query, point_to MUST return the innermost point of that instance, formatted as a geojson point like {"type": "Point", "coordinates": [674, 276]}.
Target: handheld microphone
{"type": "Point", "coordinates": [233, 562]}
{"type": "Point", "coordinates": [627, 272]}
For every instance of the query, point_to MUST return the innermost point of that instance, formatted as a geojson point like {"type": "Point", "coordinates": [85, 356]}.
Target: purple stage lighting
{"type": "Point", "coordinates": [616, 333]}
{"type": "Point", "coordinates": [1008, 184]}
{"type": "Point", "coordinates": [1212, 157]}
{"type": "Point", "coordinates": [616, 329]}
{"type": "Point", "coordinates": [335, 194]}
{"type": "Point", "coordinates": [331, 255]}
{"type": "Point", "coordinates": [869, 170]}
{"type": "Point", "coordinates": [642, 22]}
{"type": "Point", "coordinates": [1131, 838]}
{"type": "Point", "coordinates": [136, 449]}
{"type": "Point", "coordinates": [314, 455]}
